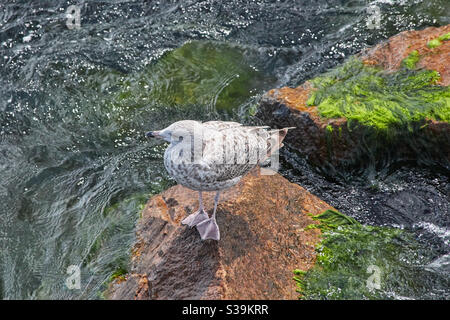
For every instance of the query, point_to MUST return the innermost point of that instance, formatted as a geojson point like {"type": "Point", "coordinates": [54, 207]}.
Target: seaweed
{"type": "Point", "coordinates": [349, 255]}
{"type": "Point", "coordinates": [438, 41]}
{"type": "Point", "coordinates": [371, 97]}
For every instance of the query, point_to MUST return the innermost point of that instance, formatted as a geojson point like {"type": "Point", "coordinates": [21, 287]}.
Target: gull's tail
{"type": "Point", "coordinates": [276, 139]}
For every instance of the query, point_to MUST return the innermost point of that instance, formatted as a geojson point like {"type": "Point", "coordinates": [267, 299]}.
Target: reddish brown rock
{"type": "Point", "coordinates": [262, 221]}
{"type": "Point", "coordinates": [390, 53]}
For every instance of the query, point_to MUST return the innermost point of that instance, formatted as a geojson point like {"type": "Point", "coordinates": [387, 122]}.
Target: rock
{"type": "Point", "coordinates": [262, 221]}
{"type": "Point", "coordinates": [389, 103]}
{"type": "Point", "coordinates": [392, 52]}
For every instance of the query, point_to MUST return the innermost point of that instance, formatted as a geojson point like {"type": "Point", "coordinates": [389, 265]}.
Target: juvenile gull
{"type": "Point", "coordinates": [213, 156]}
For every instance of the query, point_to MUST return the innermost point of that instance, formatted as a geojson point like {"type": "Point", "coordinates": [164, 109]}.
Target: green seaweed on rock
{"type": "Point", "coordinates": [411, 60]}
{"type": "Point", "coordinates": [348, 254]}
{"type": "Point", "coordinates": [118, 274]}
{"type": "Point", "coordinates": [438, 41]}
{"type": "Point", "coordinates": [434, 43]}
{"type": "Point", "coordinates": [372, 97]}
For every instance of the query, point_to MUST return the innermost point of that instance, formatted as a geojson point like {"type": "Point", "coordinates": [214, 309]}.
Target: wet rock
{"type": "Point", "coordinates": [389, 103]}
{"type": "Point", "coordinates": [262, 221]}
{"type": "Point", "coordinates": [391, 53]}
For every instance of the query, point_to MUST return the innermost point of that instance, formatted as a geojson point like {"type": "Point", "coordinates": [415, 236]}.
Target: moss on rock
{"type": "Point", "coordinates": [375, 98]}
{"type": "Point", "coordinates": [411, 61]}
{"type": "Point", "coordinates": [438, 41]}
{"type": "Point", "coordinates": [348, 255]}
{"type": "Point", "coordinates": [119, 274]}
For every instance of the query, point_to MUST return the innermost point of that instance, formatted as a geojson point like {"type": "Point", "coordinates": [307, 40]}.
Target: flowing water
{"type": "Point", "coordinates": [75, 167]}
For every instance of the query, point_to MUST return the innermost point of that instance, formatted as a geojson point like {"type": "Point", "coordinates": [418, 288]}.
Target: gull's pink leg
{"type": "Point", "coordinates": [208, 228]}
{"type": "Point", "coordinates": [198, 216]}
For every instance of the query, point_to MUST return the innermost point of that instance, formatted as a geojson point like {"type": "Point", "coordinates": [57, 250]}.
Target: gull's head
{"type": "Point", "coordinates": [177, 131]}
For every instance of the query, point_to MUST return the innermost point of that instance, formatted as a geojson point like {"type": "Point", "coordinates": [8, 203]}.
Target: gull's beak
{"type": "Point", "coordinates": [153, 134]}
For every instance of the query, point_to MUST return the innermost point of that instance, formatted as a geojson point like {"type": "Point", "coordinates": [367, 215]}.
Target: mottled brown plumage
{"type": "Point", "coordinates": [213, 156]}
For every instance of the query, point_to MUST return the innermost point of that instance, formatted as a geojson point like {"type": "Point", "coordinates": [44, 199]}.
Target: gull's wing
{"type": "Point", "coordinates": [226, 125]}
{"type": "Point", "coordinates": [231, 150]}
{"type": "Point", "coordinates": [220, 125]}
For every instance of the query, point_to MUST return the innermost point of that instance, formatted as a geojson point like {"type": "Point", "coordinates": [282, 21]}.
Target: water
{"type": "Point", "coordinates": [75, 167]}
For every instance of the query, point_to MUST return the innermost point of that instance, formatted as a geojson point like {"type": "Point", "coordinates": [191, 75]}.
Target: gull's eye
{"type": "Point", "coordinates": [180, 138]}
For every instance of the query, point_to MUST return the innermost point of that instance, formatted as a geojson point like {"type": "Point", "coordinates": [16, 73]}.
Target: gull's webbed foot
{"type": "Point", "coordinates": [195, 218]}
{"type": "Point", "coordinates": [209, 229]}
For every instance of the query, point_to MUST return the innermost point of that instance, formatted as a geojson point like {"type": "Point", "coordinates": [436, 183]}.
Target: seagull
{"type": "Point", "coordinates": [213, 156]}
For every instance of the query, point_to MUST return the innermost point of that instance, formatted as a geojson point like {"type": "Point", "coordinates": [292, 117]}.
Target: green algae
{"type": "Point", "coordinates": [372, 97]}
{"type": "Point", "coordinates": [438, 41]}
{"type": "Point", "coordinates": [218, 76]}
{"type": "Point", "coordinates": [118, 274]}
{"type": "Point", "coordinates": [411, 60]}
{"type": "Point", "coordinates": [331, 219]}
{"type": "Point", "coordinates": [348, 255]}
{"type": "Point", "coordinates": [434, 43]}
{"type": "Point", "coordinates": [312, 98]}
{"type": "Point", "coordinates": [445, 37]}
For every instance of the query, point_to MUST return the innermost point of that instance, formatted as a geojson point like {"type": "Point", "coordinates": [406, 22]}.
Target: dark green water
{"type": "Point", "coordinates": [75, 167]}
